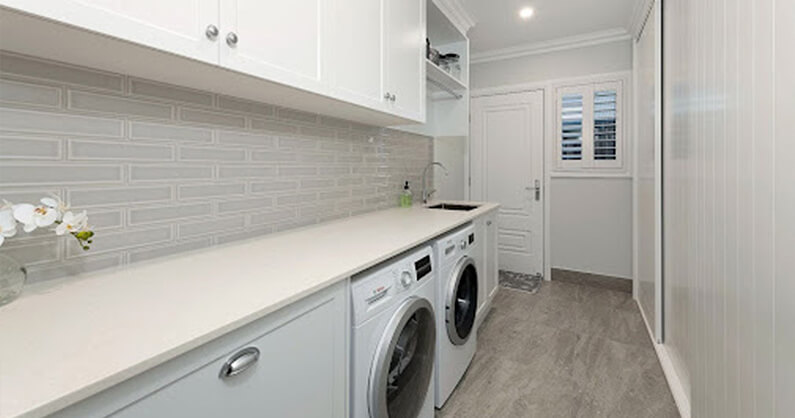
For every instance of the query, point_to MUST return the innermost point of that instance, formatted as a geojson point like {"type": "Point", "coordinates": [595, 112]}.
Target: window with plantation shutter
{"type": "Point", "coordinates": [571, 127]}
{"type": "Point", "coordinates": [604, 125]}
{"type": "Point", "coordinates": [589, 127]}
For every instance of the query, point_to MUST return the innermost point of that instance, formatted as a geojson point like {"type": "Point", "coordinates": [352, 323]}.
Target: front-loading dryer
{"type": "Point", "coordinates": [393, 340]}
{"type": "Point", "coordinates": [457, 304]}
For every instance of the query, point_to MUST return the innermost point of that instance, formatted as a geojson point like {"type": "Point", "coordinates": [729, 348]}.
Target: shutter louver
{"type": "Point", "coordinates": [571, 129]}
{"type": "Point", "coordinates": [604, 129]}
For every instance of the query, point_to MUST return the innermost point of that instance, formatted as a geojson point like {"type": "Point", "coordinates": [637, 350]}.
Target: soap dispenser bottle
{"type": "Point", "coordinates": [405, 196]}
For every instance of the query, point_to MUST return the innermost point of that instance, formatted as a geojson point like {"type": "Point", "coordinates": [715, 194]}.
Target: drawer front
{"type": "Point", "coordinates": [300, 371]}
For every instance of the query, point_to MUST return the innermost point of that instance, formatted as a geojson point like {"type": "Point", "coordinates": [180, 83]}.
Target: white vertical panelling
{"type": "Point", "coordinates": [646, 156]}
{"type": "Point", "coordinates": [729, 204]}
{"type": "Point", "coordinates": [784, 209]}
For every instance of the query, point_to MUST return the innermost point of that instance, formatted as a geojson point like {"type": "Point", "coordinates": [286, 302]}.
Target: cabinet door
{"type": "Point", "coordinates": [491, 254]}
{"type": "Point", "coordinates": [404, 37]}
{"type": "Point", "coordinates": [356, 51]}
{"type": "Point", "coordinates": [177, 26]}
{"type": "Point", "coordinates": [277, 40]}
{"type": "Point", "coordinates": [300, 373]}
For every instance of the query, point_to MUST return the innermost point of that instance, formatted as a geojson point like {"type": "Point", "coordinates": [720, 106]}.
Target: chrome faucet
{"type": "Point", "coordinates": [426, 194]}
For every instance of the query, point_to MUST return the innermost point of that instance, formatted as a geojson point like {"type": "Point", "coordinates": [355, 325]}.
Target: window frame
{"type": "Point", "coordinates": [588, 162]}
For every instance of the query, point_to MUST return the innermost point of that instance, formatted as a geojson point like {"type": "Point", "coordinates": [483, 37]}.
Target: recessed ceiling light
{"type": "Point", "coordinates": [526, 13]}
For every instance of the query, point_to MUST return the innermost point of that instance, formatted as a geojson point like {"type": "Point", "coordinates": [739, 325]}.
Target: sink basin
{"type": "Point", "coordinates": [453, 206]}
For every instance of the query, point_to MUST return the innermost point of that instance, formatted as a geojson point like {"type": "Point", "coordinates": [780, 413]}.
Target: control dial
{"type": "Point", "coordinates": [406, 279]}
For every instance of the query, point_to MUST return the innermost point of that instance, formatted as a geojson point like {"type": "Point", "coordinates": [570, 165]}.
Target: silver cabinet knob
{"type": "Point", "coordinates": [239, 362]}
{"type": "Point", "coordinates": [231, 39]}
{"type": "Point", "coordinates": [393, 98]}
{"type": "Point", "coordinates": [211, 32]}
{"type": "Point", "coordinates": [488, 223]}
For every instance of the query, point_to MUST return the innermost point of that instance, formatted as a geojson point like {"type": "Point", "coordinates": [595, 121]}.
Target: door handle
{"type": "Point", "coordinates": [239, 362]}
{"type": "Point", "coordinates": [538, 190]}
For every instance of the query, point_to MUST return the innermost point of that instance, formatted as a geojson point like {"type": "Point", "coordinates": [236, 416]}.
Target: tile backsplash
{"type": "Point", "coordinates": [163, 169]}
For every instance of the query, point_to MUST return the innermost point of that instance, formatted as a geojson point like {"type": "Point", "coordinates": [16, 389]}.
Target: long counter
{"type": "Point", "coordinates": [65, 341]}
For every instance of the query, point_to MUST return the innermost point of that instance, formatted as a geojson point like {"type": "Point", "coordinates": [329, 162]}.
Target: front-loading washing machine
{"type": "Point", "coordinates": [393, 340]}
{"type": "Point", "coordinates": [457, 304]}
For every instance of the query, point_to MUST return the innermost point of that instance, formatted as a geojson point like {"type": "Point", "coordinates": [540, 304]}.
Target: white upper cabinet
{"type": "Point", "coordinates": [361, 60]}
{"type": "Point", "coordinates": [404, 40]}
{"type": "Point", "coordinates": [276, 40]}
{"type": "Point", "coordinates": [182, 27]}
{"type": "Point", "coordinates": [356, 51]}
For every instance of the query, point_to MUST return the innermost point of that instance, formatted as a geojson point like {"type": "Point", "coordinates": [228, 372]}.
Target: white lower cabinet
{"type": "Point", "coordinates": [486, 262]}
{"type": "Point", "coordinates": [300, 371]}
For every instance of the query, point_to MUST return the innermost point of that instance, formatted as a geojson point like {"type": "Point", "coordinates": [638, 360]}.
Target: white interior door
{"type": "Point", "coordinates": [507, 167]}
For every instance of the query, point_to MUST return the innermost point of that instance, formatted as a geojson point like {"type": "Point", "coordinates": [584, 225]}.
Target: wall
{"type": "Point", "coordinates": [592, 233]}
{"type": "Point", "coordinates": [163, 169]}
{"type": "Point", "coordinates": [729, 204]}
{"type": "Point", "coordinates": [595, 59]}
{"type": "Point", "coordinates": [575, 196]}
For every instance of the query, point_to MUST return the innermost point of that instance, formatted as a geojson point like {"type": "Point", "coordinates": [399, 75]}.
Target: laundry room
{"type": "Point", "coordinates": [396, 208]}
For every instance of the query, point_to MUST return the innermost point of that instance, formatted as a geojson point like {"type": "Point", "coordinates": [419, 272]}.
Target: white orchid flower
{"type": "Point", "coordinates": [72, 223]}
{"type": "Point", "coordinates": [55, 203]}
{"type": "Point", "coordinates": [8, 226]}
{"type": "Point", "coordinates": [35, 216]}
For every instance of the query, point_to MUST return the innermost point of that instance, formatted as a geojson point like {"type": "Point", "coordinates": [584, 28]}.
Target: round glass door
{"type": "Point", "coordinates": [462, 301]}
{"type": "Point", "coordinates": [403, 365]}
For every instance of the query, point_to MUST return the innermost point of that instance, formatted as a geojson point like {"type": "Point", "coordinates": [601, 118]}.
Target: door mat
{"type": "Point", "coordinates": [520, 281]}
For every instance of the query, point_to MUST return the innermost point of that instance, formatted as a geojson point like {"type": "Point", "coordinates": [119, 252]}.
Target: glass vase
{"type": "Point", "coordinates": [12, 279]}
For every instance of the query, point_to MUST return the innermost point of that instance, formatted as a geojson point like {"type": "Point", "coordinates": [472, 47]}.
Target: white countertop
{"type": "Point", "coordinates": [63, 342]}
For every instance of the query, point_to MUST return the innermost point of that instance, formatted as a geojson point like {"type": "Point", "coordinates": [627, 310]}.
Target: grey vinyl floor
{"type": "Point", "coordinates": [570, 350]}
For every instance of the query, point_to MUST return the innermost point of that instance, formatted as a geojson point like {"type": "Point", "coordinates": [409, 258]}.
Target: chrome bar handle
{"type": "Point", "coordinates": [538, 189]}
{"type": "Point", "coordinates": [239, 362]}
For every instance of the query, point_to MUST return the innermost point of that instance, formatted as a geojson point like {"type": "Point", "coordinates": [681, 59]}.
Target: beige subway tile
{"type": "Point", "coordinates": [211, 226]}
{"type": "Point", "coordinates": [29, 94]}
{"type": "Point", "coordinates": [93, 150]}
{"type": "Point", "coordinates": [33, 252]}
{"type": "Point", "coordinates": [240, 105]}
{"type": "Point", "coordinates": [121, 240]}
{"type": "Point", "coordinates": [211, 118]}
{"type": "Point", "coordinates": [211, 190]}
{"type": "Point", "coordinates": [296, 115]}
{"type": "Point", "coordinates": [118, 196]}
{"type": "Point", "coordinates": [169, 92]}
{"type": "Point", "coordinates": [316, 183]}
{"type": "Point", "coordinates": [274, 156]}
{"type": "Point", "coordinates": [144, 254]}
{"type": "Point", "coordinates": [156, 131]}
{"type": "Point", "coordinates": [146, 215]}
{"type": "Point", "coordinates": [258, 203]}
{"type": "Point", "coordinates": [30, 148]}
{"type": "Point", "coordinates": [296, 199]}
{"type": "Point", "coordinates": [211, 154]}
{"type": "Point", "coordinates": [273, 126]}
{"type": "Point", "coordinates": [147, 172]}
{"type": "Point", "coordinates": [247, 234]}
{"type": "Point", "coordinates": [91, 102]}
{"type": "Point", "coordinates": [274, 186]}
{"type": "Point", "coordinates": [242, 138]}
{"type": "Point", "coordinates": [60, 123]}
{"type": "Point", "coordinates": [24, 174]}
{"type": "Point", "coordinates": [245, 171]}
{"type": "Point", "coordinates": [297, 171]}
{"type": "Point", "coordinates": [56, 269]}
{"type": "Point", "coordinates": [31, 67]}
{"type": "Point", "coordinates": [272, 216]}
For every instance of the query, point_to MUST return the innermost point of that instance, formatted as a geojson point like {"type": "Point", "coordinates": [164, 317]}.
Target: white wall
{"type": "Point", "coordinates": [729, 206]}
{"type": "Point", "coordinates": [591, 225]}
{"type": "Point", "coordinates": [581, 249]}
{"type": "Point", "coordinates": [596, 59]}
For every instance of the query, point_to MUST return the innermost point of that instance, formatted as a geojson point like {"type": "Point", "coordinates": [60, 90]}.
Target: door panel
{"type": "Point", "coordinates": [176, 26]}
{"type": "Point", "coordinates": [276, 41]}
{"type": "Point", "coordinates": [405, 62]}
{"type": "Point", "coordinates": [356, 51]}
{"type": "Point", "coordinates": [507, 161]}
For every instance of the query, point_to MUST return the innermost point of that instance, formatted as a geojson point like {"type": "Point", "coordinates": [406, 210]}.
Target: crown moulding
{"type": "Point", "coordinates": [457, 13]}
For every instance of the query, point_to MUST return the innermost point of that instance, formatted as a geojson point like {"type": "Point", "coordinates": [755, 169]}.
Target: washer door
{"type": "Point", "coordinates": [403, 363]}
{"type": "Point", "coordinates": [461, 301]}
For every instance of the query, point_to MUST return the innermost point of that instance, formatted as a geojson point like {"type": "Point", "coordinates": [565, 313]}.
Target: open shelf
{"type": "Point", "coordinates": [441, 80]}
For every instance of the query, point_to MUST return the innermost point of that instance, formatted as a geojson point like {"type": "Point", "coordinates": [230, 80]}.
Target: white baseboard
{"type": "Point", "coordinates": [681, 396]}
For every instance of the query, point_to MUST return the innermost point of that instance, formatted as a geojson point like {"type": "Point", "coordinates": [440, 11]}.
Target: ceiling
{"type": "Point", "coordinates": [499, 25]}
